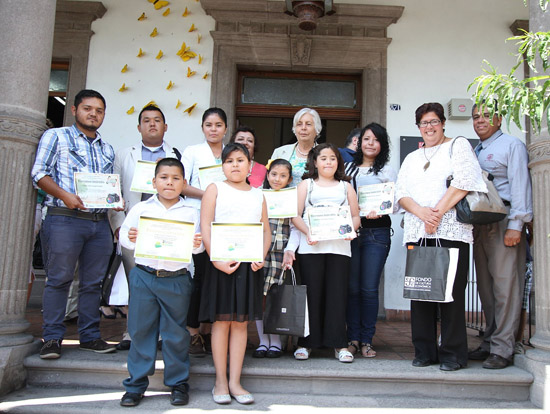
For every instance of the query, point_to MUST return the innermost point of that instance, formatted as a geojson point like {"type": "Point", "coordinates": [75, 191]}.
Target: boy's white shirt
{"type": "Point", "coordinates": [152, 207]}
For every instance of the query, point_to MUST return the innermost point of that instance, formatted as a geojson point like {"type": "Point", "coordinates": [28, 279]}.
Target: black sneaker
{"type": "Point", "coordinates": [196, 348]}
{"type": "Point", "coordinates": [180, 395]}
{"type": "Point", "coordinates": [51, 349]}
{"type": "Point", "coordinates": [98, 345]}
{"type": "Point", "coordinates": [130, 399]}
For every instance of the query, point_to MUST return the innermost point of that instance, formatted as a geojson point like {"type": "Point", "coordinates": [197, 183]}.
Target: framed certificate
{"type": "Point", "coordinates": [376, 197]}
{"type": "Point", "coordinates": [98, 190]}
{"type": "Point", "coordinates": [329, 222]}
{"type": "Point", "coordinates": [210, 174]}
{"type": "Point", "coordinates": [282, 203]}
{"type": "Point", "coordinates": [142, 182]}
{"type": "Point", "coordinates": [162, 239]}
{"type": "Point", "coordinates": [237, 242]}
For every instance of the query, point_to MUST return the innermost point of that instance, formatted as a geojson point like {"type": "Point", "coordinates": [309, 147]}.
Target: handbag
{"type": "Point", "coordinates": [430, 273]}
{"type": "Point", "coordinates": [286, 311]}
{"type": "Point", "coordinates": [115, 264]}
{"type": "Point", "coordinates": [477, 207]}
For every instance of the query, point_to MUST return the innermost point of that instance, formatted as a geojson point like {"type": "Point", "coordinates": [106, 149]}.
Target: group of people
{"type": "Point", "coordinates": [210, 309]}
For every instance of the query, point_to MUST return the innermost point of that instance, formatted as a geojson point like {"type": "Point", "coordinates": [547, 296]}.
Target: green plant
{"type": "Point", "coordinates": [516, 97]}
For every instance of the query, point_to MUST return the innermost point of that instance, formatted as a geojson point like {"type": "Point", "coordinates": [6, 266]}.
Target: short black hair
{"type": "Point", "coordinates": [169, 162]}
{"type": "Point", "coordinates": [434, 107]}
{"type": "Point", "coordinates": [245, 128]}
{"type": "Point", "coordinates": [88, 93]}
{"type": "Point", "coordinates": [151, 108]}
{"type": "Point", "coordinates": [234, 146]}
{"type": "Point", "coordinates": [215, 111]}
{"type": "Point", "coordinates": [353, 133]}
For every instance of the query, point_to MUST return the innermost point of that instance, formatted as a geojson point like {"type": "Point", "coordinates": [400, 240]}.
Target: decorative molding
{"type": "Point", "coordinates": [21, 129]}
{"type": "Point", "coordinates": [300, 47]}
{"type": "Point", "coordinates": [539, 153]}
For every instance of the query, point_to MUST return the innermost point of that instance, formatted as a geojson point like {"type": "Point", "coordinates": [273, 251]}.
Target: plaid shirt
{"type": "Point", "coordinates": [62, 152]}
{"type": "Point", "coordinates": [273, 268]}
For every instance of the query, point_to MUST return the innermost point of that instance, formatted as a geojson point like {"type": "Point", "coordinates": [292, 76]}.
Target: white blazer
{"type": "Point", "coordinates": [125, 164]}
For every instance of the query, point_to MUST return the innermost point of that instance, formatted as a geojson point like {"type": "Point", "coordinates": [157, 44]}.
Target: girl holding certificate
{"type": "Point", "coordinates": [370, 250]}
{"type": "Point", "coordinates": [232, 291]}
{"type": "Point", "coordinates": [324, 265]}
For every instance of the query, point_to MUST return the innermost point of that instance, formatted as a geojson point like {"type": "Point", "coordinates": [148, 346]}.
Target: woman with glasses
{"type": "Point", "coordinates": [430, 215]}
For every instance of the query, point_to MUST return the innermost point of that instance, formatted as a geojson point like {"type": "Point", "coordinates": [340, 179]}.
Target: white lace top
{"type": "Point", "coordinates": [428, 187]}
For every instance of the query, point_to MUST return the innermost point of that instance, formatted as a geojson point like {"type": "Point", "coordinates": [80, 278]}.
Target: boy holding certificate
{"type": "Point", "coordinates": [160, 286]}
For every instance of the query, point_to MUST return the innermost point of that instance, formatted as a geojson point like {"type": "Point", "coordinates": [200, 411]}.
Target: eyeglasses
{"type": "Point", "coordinates": [433, 122]}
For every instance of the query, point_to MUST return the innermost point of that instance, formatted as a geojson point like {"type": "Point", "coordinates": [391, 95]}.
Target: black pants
{"type": "Point", "coordinates": [454, 345]}
{"type": "Point", "coordinates": [326, 277]}
{"type": "Point", "coordinates": [199, 261]}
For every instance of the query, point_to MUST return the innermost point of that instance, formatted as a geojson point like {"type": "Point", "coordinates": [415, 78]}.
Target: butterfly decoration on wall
{"type": "Point", "coordinates": [124, 69]}
{"type": "Point", "coordinates": [192, 28]}
{"type": "Point", "coordinates": [205, 75]}
{"type": "Point", "coordinates": [185, 53]}
{"type": "Point", "coordinates": [178, 104]}
{"type": "Point", "coordinates": [130, 111]}
{"type": "Point", "coordinates": [166, 12]}
{"type": "Point", "coordinates": [123, 88]}
{"type": "Point", "coordinates": [160, 55]}
{"type": "Point", "coordinates": [190, 72]}
{"type": "Point", "coordinates": [170, 84]}
{"type": "Point", "coordinates": [185, 13]}
{"type": "Point", "coordinates": [154, 33]}
{"type": "Point", "coordinates": [140, 53]}
{"type": "Point", "coordinates": [159, 4]}
{"type": "Point", "coordinates": [190, 109]}
{"type": "Point", "coordinates": [142, 17]}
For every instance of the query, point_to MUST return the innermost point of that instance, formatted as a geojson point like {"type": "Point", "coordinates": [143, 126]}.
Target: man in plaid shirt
{"type": "Point", "coordinates": [70, 232]}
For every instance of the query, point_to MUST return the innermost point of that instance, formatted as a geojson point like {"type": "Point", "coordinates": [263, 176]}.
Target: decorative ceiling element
{"type": "Point", "coordinates": [308, 12]}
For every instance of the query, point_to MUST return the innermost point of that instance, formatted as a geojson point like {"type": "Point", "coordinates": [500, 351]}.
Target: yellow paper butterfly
{"type": "Point", "coordinates": [151, 103]}
{"type": "Point", "coordinates": [205, 75]}
{"type": "Point", "coordinates": [199, 37]}
{"type": "Point", "coordinates": [200, 59]}
{"type": "Point", "coordinates": [185, 53]}
{"type": "Point", "coordinates": [190, 109]}
{"type": "Point", "coordinates": [123, 88]}
{"type": "Point", "coordinates": [178, 104]}
{"type": "Point", "coordinates": [192, 28]}
{"type": "Point", "coordinates": [159, 4]}
{"type": "Point", "coordinates": [154, 33]}
{"type": "Point", "coordinates": [124, 69]}
{"type": "Point", "coordinates": [190, 72]}
{"type": "Point", "coordinates": [140, 53]}
{"type": "Point", "coordinates": [142, 17]}
{"type": "Point", "coordinates": [185, 13]}
{"type": "Point", "coordinates": [160, 54]}
{"type": "Point", "coordinates": [170, 84]}
{"type": "Point", "coordinates": [166, 12]}
{"type": "Point", "coordinates": [130, 111]}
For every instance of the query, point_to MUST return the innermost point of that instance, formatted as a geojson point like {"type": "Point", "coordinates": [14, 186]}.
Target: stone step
{"type": "Point", "coordinates": [322, 375]}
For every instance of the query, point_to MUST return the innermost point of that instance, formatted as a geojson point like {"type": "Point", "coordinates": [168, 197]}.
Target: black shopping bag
{"type": "Point", "coordinates": [286, 310]}
{"type": "Point", "coordinates": [430, 273]}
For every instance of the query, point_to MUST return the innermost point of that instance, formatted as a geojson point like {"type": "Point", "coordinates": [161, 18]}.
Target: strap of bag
{"type": "Point", "coordinates": [281, 279]}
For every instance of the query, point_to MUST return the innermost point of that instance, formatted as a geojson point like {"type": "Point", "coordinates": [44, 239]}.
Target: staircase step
{"type": "Point", "coordinates": [321, 375]}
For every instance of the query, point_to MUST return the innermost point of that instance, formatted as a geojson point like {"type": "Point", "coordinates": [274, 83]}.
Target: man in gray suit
{"type": "Point", "coordinates": [152, 126]}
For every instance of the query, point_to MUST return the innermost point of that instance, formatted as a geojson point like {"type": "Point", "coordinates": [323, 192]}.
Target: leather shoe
{"type": "Point", "coordinates": [130, 399]}
{"type": "Point", "coordinates": [449, 366]}
{"type": "Point", "coordinates": [418, 363]}
{"type": "Point", "coordinates": [260, 352]}
{"type": "Point", "coordinates": [495, 362]}
{"type": "Point", "coordinates": [123, 345]}
{"type": "Point", "coordinates": [180, 395]}
{"type": "Point", "coordinates": [274, 352]}
{"type": "Point", "coordinates": [478, 354]}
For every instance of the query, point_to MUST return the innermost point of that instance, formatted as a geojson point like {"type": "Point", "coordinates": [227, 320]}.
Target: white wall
{"type": "Point", "coordinates": [437, 50]}
{"type": "Point", "coordinates": [116, 42]}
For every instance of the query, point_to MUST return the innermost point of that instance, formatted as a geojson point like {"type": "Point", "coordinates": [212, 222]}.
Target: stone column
{"type": "Point", "coordinates": [26, 30]}
{"type": "Point", "coordinates": [537, 361]}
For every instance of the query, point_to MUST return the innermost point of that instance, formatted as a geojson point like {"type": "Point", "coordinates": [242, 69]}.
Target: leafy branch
{"type": "Point", "coordinates": [516, 97]}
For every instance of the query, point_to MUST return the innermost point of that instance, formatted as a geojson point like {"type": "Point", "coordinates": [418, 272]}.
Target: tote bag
{"type": "Point", "coordinates": [286, 311]}
{"type": "Point", "coordinates": [430, 273]}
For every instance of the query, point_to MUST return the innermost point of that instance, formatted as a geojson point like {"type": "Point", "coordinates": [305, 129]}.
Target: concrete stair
{"type": "Point", "coordinates": [322, 378]}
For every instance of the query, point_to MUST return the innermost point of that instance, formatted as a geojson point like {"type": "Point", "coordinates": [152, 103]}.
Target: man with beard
{"type": "Point", "coordinates": [71, 232]}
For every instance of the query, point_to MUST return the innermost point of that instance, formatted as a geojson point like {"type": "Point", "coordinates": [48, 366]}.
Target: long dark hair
{"type": "Point", "coordinates": [383, 156]}
{"type": "Point", "coordinates": [215, 111]}
{"type": "Point", "coordinates": [274, 163]}
{"type": "Point", "coordinates": [311, 171]}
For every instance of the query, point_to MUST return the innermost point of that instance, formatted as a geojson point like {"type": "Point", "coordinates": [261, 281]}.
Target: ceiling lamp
{"type": "Point", "coordinates": [309, 11]}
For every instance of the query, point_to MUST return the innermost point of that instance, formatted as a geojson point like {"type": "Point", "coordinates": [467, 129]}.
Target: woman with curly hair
{"type": "Point", "coordinates": [370, 250]}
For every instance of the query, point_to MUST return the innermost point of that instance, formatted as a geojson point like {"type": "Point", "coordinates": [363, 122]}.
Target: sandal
{"type": "Point", "coordinates": [301, 354]}
{"type": "Point", "coordinates": [367, 351]}
{"type": "Point", "coordinates": [353, 348]}
{"type": "Point", "coordinates": [343, 355]}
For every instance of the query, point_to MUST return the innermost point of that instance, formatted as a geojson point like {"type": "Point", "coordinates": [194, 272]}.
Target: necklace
{"type": "Point", "coordinates": [300, 152]}
{"type": "Point", "coordinates": [427, 165]}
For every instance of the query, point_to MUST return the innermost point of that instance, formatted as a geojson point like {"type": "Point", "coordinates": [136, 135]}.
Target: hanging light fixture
{"type": "Point", "coordinates": [308, 12]}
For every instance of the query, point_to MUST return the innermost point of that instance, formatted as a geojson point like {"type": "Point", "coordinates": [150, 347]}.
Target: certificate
{"type": "Point", "coordinates": [161, 239]}
{"type": "Point", "coordinates": [237, 242]}
{"type": "Point", "coordinates": [98, 190]}
{"type": "Point", "coordinates": [329, 222]}
{"type": "Point", "coordinates": [376, 197]}
{"type": "Point", "coordinates": [142, 182]}
{"type": "Point", "coordinates": [210, 174]}
{"type": "Point", "coordinates": [282, 203]}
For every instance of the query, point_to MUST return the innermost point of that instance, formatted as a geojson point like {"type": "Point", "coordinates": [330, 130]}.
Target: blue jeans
{"type": "Point", "coordinates": [70, 240]}
{"type": "Point", "coordinates": [368, 257]}
{"type": "Point", "coordinates": [158, 305]}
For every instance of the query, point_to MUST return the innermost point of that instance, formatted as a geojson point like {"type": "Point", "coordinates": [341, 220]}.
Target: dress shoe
{"type": "Point", "coordinates": [478, 354]}
{"type": "Point", "coordinates": [274, 352]}
{"type": "Point", "coordinates": [180, 395]}
{"type": "Point", "coordinates": [495, 362]}
{"type": "Point", "coordinates": [123, 345]}
{"type": "Point", "coordinates": [449, 366]}
{"type": "Point", "coordinates": [130, 399]}
{"type": "Point", "coordinates": [260, 352]}
{"type": "Point", "coordinates": [420, 363]}
{"type": "Point", "coordinates": [244, 398]}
